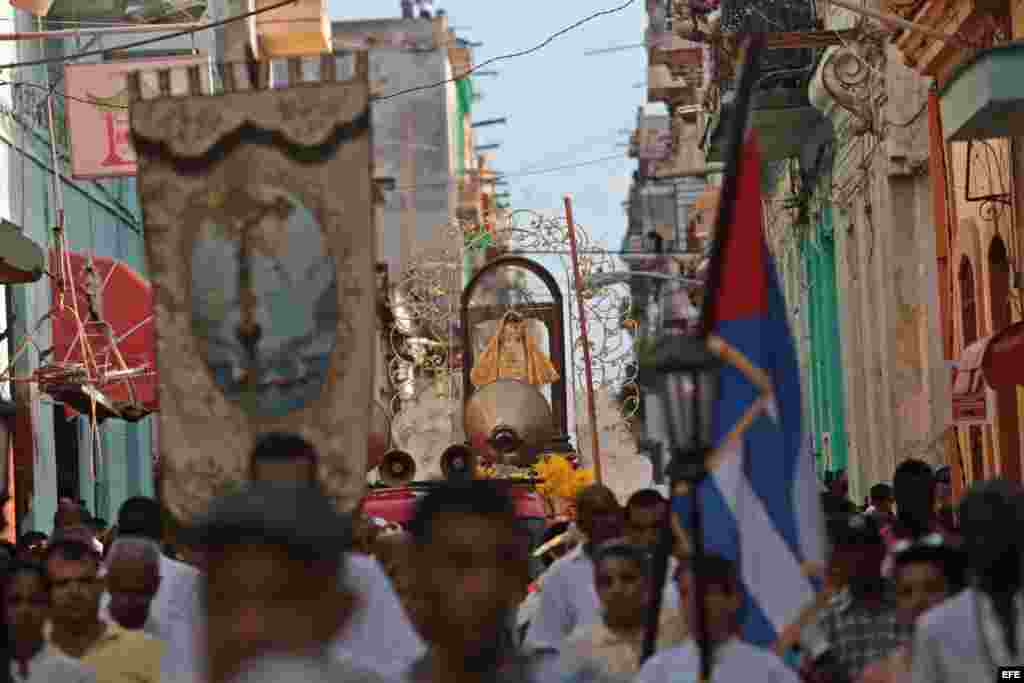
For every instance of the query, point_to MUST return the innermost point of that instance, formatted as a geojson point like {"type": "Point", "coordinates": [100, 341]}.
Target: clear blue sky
{"type": "Point", "coordinates": [562, 107]}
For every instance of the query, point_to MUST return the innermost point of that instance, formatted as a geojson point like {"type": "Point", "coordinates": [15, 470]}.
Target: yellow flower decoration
{"type": "Point", "coordinates": [560, 480]}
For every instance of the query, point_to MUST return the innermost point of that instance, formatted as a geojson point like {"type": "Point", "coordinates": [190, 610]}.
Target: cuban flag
{"type": "Point", "coordinates": [761, 503]}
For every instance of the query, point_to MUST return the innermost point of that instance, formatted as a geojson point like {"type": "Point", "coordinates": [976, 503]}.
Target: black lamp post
{"type": "Point", "coordinates": [684, 375]}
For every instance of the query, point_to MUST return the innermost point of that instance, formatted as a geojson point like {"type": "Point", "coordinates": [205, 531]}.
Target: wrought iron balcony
{"type": "Point", "coordinates": [782, 112]}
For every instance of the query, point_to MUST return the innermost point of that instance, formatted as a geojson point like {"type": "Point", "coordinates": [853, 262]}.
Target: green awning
{"type": "Point", "coordinates": [984, 98]}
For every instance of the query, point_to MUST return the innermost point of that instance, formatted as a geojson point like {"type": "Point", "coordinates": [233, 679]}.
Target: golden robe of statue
{"type": "Point", "coordinates": [512, 353]}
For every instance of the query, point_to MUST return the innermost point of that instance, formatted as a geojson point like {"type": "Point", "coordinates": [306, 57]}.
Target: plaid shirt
{"type": "Point", "coordinates": [860, 634]}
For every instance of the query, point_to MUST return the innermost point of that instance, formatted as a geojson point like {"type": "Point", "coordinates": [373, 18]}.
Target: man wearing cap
{"type": "Point", "coordinates": [275, 553]}
{"type": "Point", "coordinates": [380, 635]}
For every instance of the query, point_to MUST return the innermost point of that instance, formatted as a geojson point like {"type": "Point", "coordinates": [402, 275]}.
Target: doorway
{"type": "Point", "coordinates": [1007, 428]}
{"type": "Point", "coordinates": [65, 444]}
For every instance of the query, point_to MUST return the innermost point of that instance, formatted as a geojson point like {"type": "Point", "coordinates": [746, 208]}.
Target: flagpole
{"type": "Point", "coordinates": [595, 438]}
{"type": "Point", "coordinates": [690, 482]}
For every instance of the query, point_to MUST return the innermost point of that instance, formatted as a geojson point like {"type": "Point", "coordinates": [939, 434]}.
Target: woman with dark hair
{"type": "Point", "coordinates": [29, 658]}
{"type": "Point", "coordinates": [925, 573]}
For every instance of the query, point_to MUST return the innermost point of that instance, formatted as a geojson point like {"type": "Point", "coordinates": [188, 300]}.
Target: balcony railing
{"type": "Point", "coordinates": [781, 111]}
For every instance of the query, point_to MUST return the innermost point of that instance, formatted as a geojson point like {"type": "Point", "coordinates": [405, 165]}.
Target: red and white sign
{"type": "Point", "coordinates": [98, 110]}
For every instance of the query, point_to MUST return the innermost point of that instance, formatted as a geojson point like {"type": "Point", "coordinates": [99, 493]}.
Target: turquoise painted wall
{"type": "Point", "coordinates": [826, 370]}
{"type": "Point", "coordinates": [101, 217]}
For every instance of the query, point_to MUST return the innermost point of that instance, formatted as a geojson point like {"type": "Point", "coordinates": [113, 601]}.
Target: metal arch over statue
{"type": "Point", "coordinates": [507, 417]}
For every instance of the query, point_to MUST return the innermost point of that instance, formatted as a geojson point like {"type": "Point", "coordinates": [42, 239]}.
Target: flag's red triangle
{"type": "Point", "coordinates": [742, 287]}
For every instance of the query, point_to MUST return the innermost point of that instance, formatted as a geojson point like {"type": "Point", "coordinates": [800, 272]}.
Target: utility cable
{"type": "Point", "coordinates": [239, 17]}
{"type": "Point", "coordinates": [512, 55]}
{"type": "Point", "coordinates": [148, 41]}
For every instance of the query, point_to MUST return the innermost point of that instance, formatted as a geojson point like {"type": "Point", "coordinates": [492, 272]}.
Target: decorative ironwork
{"type": "Point", "coordinates": [995, 199]}
{"type": "Point", "coordinates": [773, 16]}
{"type": "Point", "coordinates": [611, 349]}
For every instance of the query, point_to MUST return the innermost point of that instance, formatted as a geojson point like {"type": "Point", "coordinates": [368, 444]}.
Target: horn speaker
{"type": "Point", "coordinates": [397, 469]}
{"type": "Point", "coordinates": [458, 462]}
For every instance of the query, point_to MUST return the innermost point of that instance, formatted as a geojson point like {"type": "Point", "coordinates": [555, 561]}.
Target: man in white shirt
{"type": "Point", "coordinates": [379, 635]}
{"type": "Point", "coordinates": [732, 659]}
{"type": "Point", "coordinates": [967, 637]}
{"type": "Point", "coordinates": [569, 598]}
{"type": "Point", "coordinates": [174, 615]}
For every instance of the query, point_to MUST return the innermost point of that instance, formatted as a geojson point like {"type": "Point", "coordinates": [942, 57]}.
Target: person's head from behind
{"type": "Point", "coordinates": [393, 553]}
{"type": "Point", "coordinates": [26, 595]}
{"type": "Point", "coordinates": [646, 511]}
{"type": "Point", "coordinates": [622, 576]}
{"type": "Point", "coordinates": [73, 567]}
{"type": "Point", "coordinates": [598, 514]}
{"type": "Point", "coordinates": [132, 579]}
{"type": "Point", "coordinates": [858, 552]}
{"type": "Point", "coordinates": [68, 514]}
{"type": "Point", "coordinates": [285, 458]}
{"type": "Point", "coordinates": [274, 553]}
{"type": "Point", "coordinates": [723, 596]}
{"type": "Point", "coordinates": [141, 516]}
{"type": "Point", "coordinates": [990, 521]}
{"type": "Point", "coordinates": [881, 498]}
{"type": "Point", "coordinates": [926, 573]}
{"type": "Point", "coordinates": [943, 486]}
{"type": "Point", "coordinates": [472, 563]}
{"type": "Point", "coordinates": [838, 484]}
{"type": "Point", "coordinates": [914, 489]}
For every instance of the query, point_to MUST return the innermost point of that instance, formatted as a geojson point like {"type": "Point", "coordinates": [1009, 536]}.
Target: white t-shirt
{"type": "Point", "coordinates": [380, 637]}
{"type": "Point", "coordinates": [50, 665]}
{"type": "Point", "coordinates": [734, 661]}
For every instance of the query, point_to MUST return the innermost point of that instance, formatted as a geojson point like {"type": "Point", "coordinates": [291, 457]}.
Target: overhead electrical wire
{"type": "Point", "coordinates": [148, 41]}
{"type": "Point", "coordinates": [240, 17]}
{"type": "Point", "coordinates": [512, 55]}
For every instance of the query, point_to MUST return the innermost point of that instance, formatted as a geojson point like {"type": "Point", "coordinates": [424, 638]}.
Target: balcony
{"type": "Point", "coordinates": [672, 89]}
{"type": "Point", "coordinates": [781, 112]}
{"type": "Point", "coordinates": [970, 19]}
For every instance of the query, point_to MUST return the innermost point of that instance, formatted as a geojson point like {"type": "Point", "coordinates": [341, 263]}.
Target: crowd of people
{"type": "Point", "coordinates": [274, 584]}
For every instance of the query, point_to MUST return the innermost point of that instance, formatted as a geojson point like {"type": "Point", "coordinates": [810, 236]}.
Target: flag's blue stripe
{"type": "Point", "coordinates": [785, 368]}
{"type": "Point", "coordinates": [721, 537]}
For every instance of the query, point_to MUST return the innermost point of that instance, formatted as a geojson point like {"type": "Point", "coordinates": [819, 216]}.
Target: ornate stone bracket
{"type": "Point", "coordinates": [847, 77]}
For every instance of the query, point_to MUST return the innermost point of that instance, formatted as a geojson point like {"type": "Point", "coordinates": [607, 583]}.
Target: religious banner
{"type": "Point", "coordinates": [97, 109]}
{"type": "Point", "coordinates": [258, 209]}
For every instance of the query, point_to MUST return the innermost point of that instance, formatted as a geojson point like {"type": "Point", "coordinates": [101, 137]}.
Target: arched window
{"type": "Point", "coordinates": [999, 284]}
{"type": "Point", "coordinates": [968, 302]}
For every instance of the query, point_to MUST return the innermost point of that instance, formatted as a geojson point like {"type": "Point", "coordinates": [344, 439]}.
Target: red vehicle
{"type": "Point", "coordinates": [397, 504]}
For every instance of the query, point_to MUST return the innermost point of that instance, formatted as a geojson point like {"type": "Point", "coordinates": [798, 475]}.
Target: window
{"type": "Point", "coordinates": [968, 303]}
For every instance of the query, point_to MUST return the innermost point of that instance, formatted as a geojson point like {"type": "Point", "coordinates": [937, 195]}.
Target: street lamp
{"type": "Point", "coordinates": [684, 376]}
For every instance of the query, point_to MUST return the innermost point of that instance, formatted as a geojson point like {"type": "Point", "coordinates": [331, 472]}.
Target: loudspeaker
{"type": "Point", "coordinates": [396, 469]}
{"type": "Point", "coordinates": [458, 462]}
